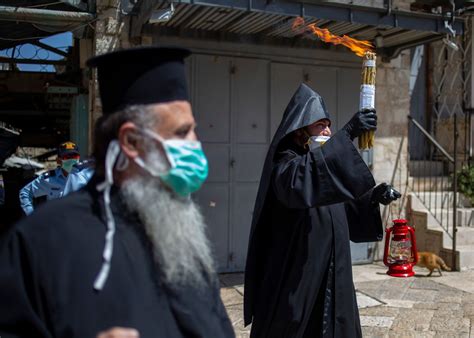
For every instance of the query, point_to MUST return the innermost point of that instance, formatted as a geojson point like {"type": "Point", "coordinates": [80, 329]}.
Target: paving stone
{"type": "Point", "coordinates": [468, 309]}
{"type": "Point", "coordinates": [450, 297]}
{"type": "Point", "coordinates": [379, 311]}
{"type": "Point", "coordinates": [364, 301]}
{"type": "Point", "coordinates": [450, 324]}
{"type": "Point", "coordinates": [370, 272]}
{"type": "Point", "coordinates": [413, 319]}
{"type": "Point", "coordinates": [449, 306]}
{"type": "Point", "coordinates": [452, 335]}
{"type": "Point", "coordinates": [427, 284]}
{"type": "Point", "coordinates": [230, 296]}
{"type": "Point", "coordinates": [242, 335]}
{"type": "Point", "coordinates": [378, 321]}
{"type": "Point", "coordinates": [427, 306]}
{"type": "Point", "coordinates": [468, 298]}
{"type": "Point", "coordinates": [407, 304]}
{"type": "Point", "coordinates": [421, 295]}
{"type": "Point", "coordinates": [449, 313]}
{"type": "Point", "coordinates": [236, 316]}
{"type": "Point", "coordinates": [459, 280]}
{"type": "Point", "coordinates": [374, 332]}
{"type": "Point", "coordinates": [240, 289]}
{"type": "Point", "coordinates": [411, 307]}
{"type": "Point", "coordinates": [411, 334]}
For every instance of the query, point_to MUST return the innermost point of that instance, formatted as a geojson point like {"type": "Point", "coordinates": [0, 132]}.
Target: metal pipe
{"type": "Point", "coordinates": [35, 15]}
{"type": "Point", "coordinates": [50, 48]}
{"type": "Point", "coordinates": [432, 140]}
{"type": "Point", "coordinates": [392, 180]}
{"type": "Point", "coordinates": [455, 200]}
{"type": "Point", "coordinates": [32, 61]}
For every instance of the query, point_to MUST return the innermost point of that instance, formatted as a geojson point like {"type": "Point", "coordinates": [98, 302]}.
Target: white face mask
{"type": "Point", "coordinates": [317, 141]}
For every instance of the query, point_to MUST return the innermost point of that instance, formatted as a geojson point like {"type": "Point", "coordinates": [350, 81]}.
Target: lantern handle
{"type": "Point", "coordinates": [387, 241]}
{"type": "Point", "coordinates": [414, 251]}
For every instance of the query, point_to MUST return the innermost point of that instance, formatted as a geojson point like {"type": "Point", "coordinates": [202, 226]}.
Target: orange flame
{"type": "Point", "coordinates": [359, 47]}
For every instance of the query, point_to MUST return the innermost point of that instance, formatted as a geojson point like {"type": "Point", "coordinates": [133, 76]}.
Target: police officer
{"type": "Point", "coordinates": [79, 176]}
{"type": "Point", "coordinates": [51, 184]}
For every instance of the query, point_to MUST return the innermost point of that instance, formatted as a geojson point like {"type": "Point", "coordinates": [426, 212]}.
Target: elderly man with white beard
{"type": "Point", "coordinates": [126, 256]}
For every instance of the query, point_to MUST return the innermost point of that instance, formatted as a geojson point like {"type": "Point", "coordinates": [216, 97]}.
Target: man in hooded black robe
{"type": "Point", "coordinates": [100, 260]}
{"type": "Point", "coordinates": [311, 202]}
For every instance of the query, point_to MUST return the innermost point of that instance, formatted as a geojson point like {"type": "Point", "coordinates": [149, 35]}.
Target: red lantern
{"type": "Point", "coordinates": [400, 253]}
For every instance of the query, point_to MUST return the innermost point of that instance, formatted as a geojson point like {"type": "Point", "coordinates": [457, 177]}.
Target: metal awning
{"type": "Point", "coordinates": [23, 21]}
{"type": "Point", "coordinates": [396, 30]}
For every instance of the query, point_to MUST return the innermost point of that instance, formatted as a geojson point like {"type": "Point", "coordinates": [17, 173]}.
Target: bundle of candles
{"type": "Point", "coordinates": [367, 95]}
{"type": "Point", "coordinates": [361, 48]}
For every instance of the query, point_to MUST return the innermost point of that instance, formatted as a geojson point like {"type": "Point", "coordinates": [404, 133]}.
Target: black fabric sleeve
{"type": "Point", "coordinates": [333, 173]}
{"type": "Point", "coordinates": [363, 217]}
{"type": "Point", "coordinates": [20, 305]}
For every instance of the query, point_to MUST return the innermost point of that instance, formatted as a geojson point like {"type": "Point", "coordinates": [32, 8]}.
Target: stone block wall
{"type": "Point", "coordinates": [393, 106]}
{"type": "Point", "coordinates": [111, 33]}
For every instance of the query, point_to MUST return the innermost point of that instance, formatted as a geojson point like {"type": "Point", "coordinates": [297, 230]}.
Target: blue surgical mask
{"type": "Point", "coordinates": [188, 165]}
{"type": "Point", "coordinates": [68, 164]}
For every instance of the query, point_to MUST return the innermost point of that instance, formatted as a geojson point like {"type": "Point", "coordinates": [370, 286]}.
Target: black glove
{"type": "Point", "coordinates": [362, 121]}
{"type": "Point", "coordinates": [384, 194]}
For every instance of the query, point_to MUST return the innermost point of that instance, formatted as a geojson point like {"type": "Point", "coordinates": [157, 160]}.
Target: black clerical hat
{"type": "Point", "coordinates": [141, 76]}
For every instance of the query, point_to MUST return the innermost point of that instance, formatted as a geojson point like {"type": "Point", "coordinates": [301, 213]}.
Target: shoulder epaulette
{"type": "Point", "coordinates": [50, 173]}
{"type": "Point", "coordinates": [84, 164]}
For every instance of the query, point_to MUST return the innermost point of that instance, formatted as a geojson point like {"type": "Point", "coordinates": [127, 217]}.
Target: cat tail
{"type": "Point", "coordinates": [443, 265]}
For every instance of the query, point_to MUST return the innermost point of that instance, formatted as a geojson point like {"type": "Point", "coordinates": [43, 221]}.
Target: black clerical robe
{"type": "Point", "coordinates": [298, 280]}
{"type": "Point", "coordinates": [50, 260]}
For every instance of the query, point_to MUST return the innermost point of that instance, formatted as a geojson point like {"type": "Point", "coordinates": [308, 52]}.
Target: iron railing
{"type": "Point", "coordinates": [433, 174]}
{"type": "Point", "coordinates": [399, 180]}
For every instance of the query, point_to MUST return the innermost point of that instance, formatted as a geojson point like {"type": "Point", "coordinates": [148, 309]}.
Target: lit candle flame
{"type": "Point", "coordinates": [359, 47]}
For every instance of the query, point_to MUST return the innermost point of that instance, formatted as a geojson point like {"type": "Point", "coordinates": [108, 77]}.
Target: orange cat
{"type": "Point", "coordinates": [431, 261]}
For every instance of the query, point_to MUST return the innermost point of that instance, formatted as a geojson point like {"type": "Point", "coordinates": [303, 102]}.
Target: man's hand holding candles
{"type": "Point", "coordinates": [363, 121]}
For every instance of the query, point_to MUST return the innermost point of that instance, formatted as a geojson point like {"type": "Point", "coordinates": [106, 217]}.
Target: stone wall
{"type": "Point", "coordinates": [111, 33]}
{"type": "Point", "coordinates": [108, 36]}
{"type": "Point", "coordinates": [393, 106]}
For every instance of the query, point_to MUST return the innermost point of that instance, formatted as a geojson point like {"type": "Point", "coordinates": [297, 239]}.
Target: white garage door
{"type": "Point", "coordinates": [238, 103]}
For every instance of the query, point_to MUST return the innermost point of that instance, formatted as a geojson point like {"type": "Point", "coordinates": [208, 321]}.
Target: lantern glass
{"type": "Point", "coordinates": [400, 251]}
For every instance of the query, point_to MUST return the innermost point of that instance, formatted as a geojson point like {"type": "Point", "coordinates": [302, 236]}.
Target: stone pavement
{"type": "Point", "coordinates": [392, 307]}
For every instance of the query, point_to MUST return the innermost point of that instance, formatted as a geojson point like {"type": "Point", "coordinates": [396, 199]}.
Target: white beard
{"type": "Point", "coordinates": [175, 227]}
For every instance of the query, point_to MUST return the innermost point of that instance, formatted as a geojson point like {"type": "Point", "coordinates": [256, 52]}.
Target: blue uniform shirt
{"type": "Point", "coordinates": [49, 185]}
{"type": "Point", "coordinates": [79, 176]}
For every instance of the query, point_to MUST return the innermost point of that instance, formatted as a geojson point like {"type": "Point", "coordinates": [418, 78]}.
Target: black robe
{"type": "Point", "coordinates": [298, 277]}
{"type": "Point", "coordinates": [50, 260]}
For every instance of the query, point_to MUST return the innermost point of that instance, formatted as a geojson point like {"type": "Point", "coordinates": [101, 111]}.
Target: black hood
{"type": "Point", "coordinates": [305, 107]}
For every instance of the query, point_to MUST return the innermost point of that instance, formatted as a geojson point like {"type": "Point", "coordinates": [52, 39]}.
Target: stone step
{"type": "Point", "coordinates": [430, 183]}
{"type": "Point", "coordinates": [442, 199]}
{"type": "Point", "coordinates": [424, 168]}
{"type": "Point", "coordinates": [464, 257]}
{"type": "Point", "coordinates": [464, 218]}
{"type": "Point", "coordinates": [431, 237]}
{"type": "Point", "coordinates": [464, 236]}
